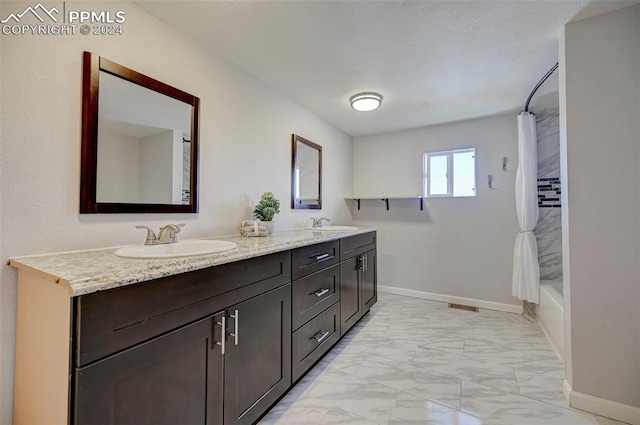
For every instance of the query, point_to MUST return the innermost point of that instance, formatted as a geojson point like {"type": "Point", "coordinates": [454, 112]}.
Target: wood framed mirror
{"type": "Point", "coordinates": [306, 174]}
{"type": "Point", "coordinates": [139, 150]}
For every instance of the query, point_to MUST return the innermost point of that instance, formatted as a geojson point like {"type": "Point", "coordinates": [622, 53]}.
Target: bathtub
{"type": "Point", "coordinates": [550, 314]}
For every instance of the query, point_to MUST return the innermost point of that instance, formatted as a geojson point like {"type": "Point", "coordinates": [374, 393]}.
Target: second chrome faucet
{"type": "Point", "coordinates": [317, 222]}
{"type": "Point", "coordinates": [167, 234]}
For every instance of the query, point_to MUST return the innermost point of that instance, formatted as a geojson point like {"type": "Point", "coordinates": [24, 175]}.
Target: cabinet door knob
{"type": "Point", "coordinates": [321, 292]}
{"type": "Point", "coordinates": [235, 316]}
{"type": "Point", "coordinates": [320, 336]}
{"type": "Point", "coordinates": [322, 257]}
{"type": "Point", "coordinates": [222, 342]}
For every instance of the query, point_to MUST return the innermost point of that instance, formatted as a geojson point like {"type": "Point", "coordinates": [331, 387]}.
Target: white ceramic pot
{"type": "Point", "coordinates": [271, 225]}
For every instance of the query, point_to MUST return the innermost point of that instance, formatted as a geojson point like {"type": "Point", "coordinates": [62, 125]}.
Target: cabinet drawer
{"type": "Point", "coordinates": [314, 293]}
{"type": "Point", "coordinates": [309, 259]}
{"type": "Point", "coordinates": [112, 320]}
{"type": "Point", "coordinates": [356, 245]}
{"type": "Point", "coordinates": [314, 339]}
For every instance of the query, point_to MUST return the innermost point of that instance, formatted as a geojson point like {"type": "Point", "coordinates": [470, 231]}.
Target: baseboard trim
{"type": "Point", "coordinates": [566, 390]}
{"type": "Point", "coordinates": [553, 346]}
{"type": "Point", "coordinates": [600, 406]}
{"type": "Point", "coordinates": [490, 305]}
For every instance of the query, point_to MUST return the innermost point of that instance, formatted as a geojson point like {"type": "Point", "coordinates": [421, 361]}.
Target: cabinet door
{"type": "Point", "coordinates": [258, 355]}
{"type": "Point", "coordinates": [172, 379]}
{"type": "Point", "coordinates": [350, 293]}
{"type": "Point", "coordinates": [368, 285]}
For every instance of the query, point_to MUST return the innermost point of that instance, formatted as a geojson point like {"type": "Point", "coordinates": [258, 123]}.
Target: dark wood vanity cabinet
{"type": "Point", "coordinates": [335, 284]}
{"type": "Point", "coordinates": [173, 379]}
{"type": "Point", "coordinates": [257, 361]}
{"type": "Point", "coordinates": [358, 278]}
{"type": "Point", "coordinates": [316, 304]}
{"type": "Point", "coordinates": [228, 367]}
{"type": "Point", "coordinates": [214, 346]}
{"type": "Point", "coordinates": [369, 280]}
{"type": "Point", "coordinates": [190, 376]}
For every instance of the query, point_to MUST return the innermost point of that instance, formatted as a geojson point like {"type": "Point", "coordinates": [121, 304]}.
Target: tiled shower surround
{"type": "Point", "coordinates": [549, 229]}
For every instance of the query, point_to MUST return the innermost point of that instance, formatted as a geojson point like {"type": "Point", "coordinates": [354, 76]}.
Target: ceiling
{"type": "Point", "coordinates": [433, 61]}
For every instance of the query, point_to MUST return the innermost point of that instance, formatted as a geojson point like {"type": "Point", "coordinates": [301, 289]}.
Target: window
{"type": "Point", "coordinates": [450, 173]}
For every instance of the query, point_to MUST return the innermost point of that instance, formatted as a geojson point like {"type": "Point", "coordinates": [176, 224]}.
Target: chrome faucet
{"type": "Point", "coordinates": [151, 236]}
{"type": "Point", "coordinates": [317, 222]}
{"type": "Point", "coordinates": [167, 234]}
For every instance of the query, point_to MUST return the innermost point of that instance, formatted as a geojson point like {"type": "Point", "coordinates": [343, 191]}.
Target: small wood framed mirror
{"type": "Point", "coordinates": [139, 142]}
{"type": "Point", "coordinates": [306, 174]}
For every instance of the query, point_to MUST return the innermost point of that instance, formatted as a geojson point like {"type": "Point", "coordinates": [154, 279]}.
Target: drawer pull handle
{"type": "Point", "coordinates": [236, 321]}
{"type": "Point", "coordinates": [322, 257]}
{"type": "Point", "coordinates": [363, 262]}
{"type": "Point", "coordinates": [321, 292]}
{"type": "Point", "coordinates": [222, 342]}
{"type": "Point", "coordinates": [320, 336]}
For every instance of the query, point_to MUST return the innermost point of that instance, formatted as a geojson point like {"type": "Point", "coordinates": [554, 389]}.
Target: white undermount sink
{"type": "Point", "coordinates": [179, 249]}
{"type": "Point", "coordinates": [334, 228]}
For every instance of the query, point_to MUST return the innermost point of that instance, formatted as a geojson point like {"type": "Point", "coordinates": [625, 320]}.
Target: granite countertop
{"type": "Point", "coordinates": [87, 271]}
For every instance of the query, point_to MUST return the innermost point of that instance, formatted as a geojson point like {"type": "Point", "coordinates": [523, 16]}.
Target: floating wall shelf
{"type": "Point", "coordinates": [386, 199]}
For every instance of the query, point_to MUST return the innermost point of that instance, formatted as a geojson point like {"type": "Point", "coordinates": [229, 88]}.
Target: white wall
{"type": "Point", "coordinates": [118, 171]}
{"type": "Point", "coordinates": [461, 247]}
{"type": "Point", "coordinates": [245, 147]}
{"type": "Point", "coordinates": [157, 168]}
{"type": "Point", "coordinates": [177, 165]}
{"type": "Point", "coordinates": [600, 144]}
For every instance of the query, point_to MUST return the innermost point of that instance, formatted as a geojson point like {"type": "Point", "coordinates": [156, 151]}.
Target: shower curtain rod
{"type": "Point", "coordinates": [547, 75]}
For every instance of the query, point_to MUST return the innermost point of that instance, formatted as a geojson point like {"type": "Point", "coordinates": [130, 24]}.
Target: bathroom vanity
{"type": "Point", "coordinates": [209, 339]}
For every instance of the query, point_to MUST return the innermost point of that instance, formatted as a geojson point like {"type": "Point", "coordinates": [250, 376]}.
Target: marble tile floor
{"type": "Point", "coordinates": [414, 361]}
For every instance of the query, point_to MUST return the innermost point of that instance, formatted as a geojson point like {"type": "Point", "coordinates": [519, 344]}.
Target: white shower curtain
{"type": "Point", "coordinates": [526, 271]}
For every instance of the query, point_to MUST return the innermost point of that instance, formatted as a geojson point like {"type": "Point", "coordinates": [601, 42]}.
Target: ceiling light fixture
{"type": "Point", "coordinates": [366, 102]}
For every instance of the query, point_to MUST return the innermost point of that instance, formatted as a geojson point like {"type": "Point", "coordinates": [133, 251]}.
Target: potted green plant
{"type": "Point", "coordinates": [267, 209]}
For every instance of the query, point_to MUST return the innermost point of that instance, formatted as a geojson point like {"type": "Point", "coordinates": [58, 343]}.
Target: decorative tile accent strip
{"type": "Point", "coordinates": [549, 192]}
